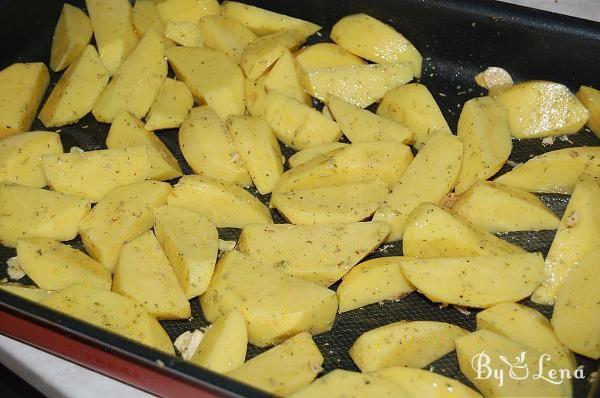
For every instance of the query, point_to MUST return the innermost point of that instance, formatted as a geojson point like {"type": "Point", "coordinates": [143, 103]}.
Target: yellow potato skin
{"type": "Point", "coordinates": [72, 34]}
{"type": "Point", "coordinates": [326, 55]}
{"type": "Point", "coordinates": [171, 106]}
{"type": "Point", "coordinates": [309, 153]}
{"type": "Point", "coordinates": [590, 98]}
{"type": "Point", "coordinates": [226, 35]}
{"type": "Point", "coordinates": [27, 292]}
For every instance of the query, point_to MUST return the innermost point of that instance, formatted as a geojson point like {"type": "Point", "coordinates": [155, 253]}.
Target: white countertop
{"type": "Point", "coordinates": [55, 377]}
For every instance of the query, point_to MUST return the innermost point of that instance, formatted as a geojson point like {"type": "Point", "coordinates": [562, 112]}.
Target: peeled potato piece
{"type": "Point", "coordinates": [264, 51]}
{"type": "Point", "coordinates": [171, 106]}
{"type": "Point", "coordinates": [72, 34]}
{"type": "Point", "coordinates": [326, 55]}
{"type": "Point", "coordinates": [255, 95]}
{"type": "Point", "coordinates": [309, 153]}
{"type": "Point", "coordinates": [27, 292]}
{"type": "Point", "coordinates": [226, 35]}
{"type": "Point", "coordinates": [184, 33]}
{"type": "Point", "coordinates": [145, 16]}
{"type": "Point", "coordinates": [187, 10]}
{"type": "Point", "coordinates": [590, 98]}
{"type": "Point", "coordinates": [286, 77]}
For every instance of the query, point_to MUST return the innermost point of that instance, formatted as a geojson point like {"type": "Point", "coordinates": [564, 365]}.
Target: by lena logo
{"type": "Point", "coordinates": [518, 368]}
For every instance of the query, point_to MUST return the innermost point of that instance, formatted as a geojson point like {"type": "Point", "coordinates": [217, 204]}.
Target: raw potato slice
{"type": "Point", "coordinates": [191, 244]}
{"type": "Point", "coordinates": [255, 95]}
{"type": "Point", "coordinates": [113, 30]}
{"type": "Point", "coordinates": [54, 266]}
{"type": "Point", "coordinates": [72, 34]}
{"type": "Point", "coordinates": [520, 359]}
{"type": "Point", "coordinates": [483, 128]}
{"type": "Point", "coordinates": [542, 109]}
{"type": "Point", "coordinates": [125, 213]}
{"type": "Point", "coordinates": [184, 33]}
{"type": "Point", "coordinates": [296, 124]}
{"type": "Point", "coordinates": [423, 383]}
{"type": "Point", "coordinates": [413, 106]}
{"type": "Point", "coordinates": [286, 77]}
{"type": "Point", "coordinates": [578, 235]}
{"type": "Point", "coordinates": [27, 292]}
{"type": "Point", "coordinates": [225, 35]}
{"type": "Point", "coordinates": [27, 212]}
{"type": "Point", "coordinates": [499, 208]}
{"type": "Point", "coordinates": [478, 282]}
{"type": "Point", "coordinates": [361, 125]}
{"type": "Point", "coordinates": [264, 51]}
{"type": "Point", "coordinates": [431, 232]}
{"type": "Point", "coordinates": [212, 77]}
{"type": "Point", "coordinates": [223, 347]}
{"type": "Point", "coordinates": [22, 87]}
{"type": "Point", "coordinates": [576, 313]}
{"type": "Point", "coordinates": [283, 369]}
{"type": "Point", "coordinates": [127, 131]}
{"type": "Point", "coordinates": [21, 157]}
{"type": "Point", "coordinates": [360, 85]}
{"type": "Point", "coordinates": [263, 22]}
{"type": "Point", "coordinates": [93, 174]}
{"type": "Point", "coordinates": [187, 10]}
{"type": "Point", "coordinates": [113, 312]}
{"type": "Point", "coordinates": [145, 16]}
{"type": "Point", "coordinates": [528, 327]}
{"type": "Point", "coordinates": [225, 204]}
{"type": "Point", "coordinates": [124, 92]}
{"type": "Point", "coordinates": [76, 92]}
{"type": "Point", "coordinates": [209, 149]}
{"type": "Point", "coordinates": [428, 178]}
{"type": "Point", "coordinates": [590, 98]}
{"type": "Point", "coordinates": [358, 162]}
{"type": "Point", "coordinates": [317, 253]}
{"type": "Point", "coordinates": [344, 384]}
{"type": "Point", "coordinates": [171, 106]}
{"type": "Point", "coordinates": [412, 344]}
{"type": "Point", "coordinates": [312, 152]}
{"type": "Point", "coordinates": [372, 282]}
{"type": "Point", "coordinates": [376, 41]}
{"type": "Point", "coordinates": [555, 171]}
{"type": "Point", "coordinates": [144, 274]}
{"type": "Point", "coordinates": [275, 305]}
{"type": "Point", "coordinates": [335, 204]}
{"type": "Point", "coordinates": [326, 55]}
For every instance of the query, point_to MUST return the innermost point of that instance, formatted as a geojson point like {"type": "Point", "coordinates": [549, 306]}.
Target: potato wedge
{"type": "Point", "coordinates": [27, 212]}
{"type": "Point", "coordinates": [413, 344]}
{"type": "Point", "coordinates": [423, 383]}
{"type": "Point", "coordinates": [326, 55]}
{"type": "Point", "coordinates": [312, 152]}
{"type": "Point", "coordinates": [76, 92]}
{"type": "Point", "coordinates": [54, 266]}
{"type": "Point", "coordinates": [144, 274]}
{"type": "Point", "coordinates": [484, 131]}
{"type": "Point", "coordinates": [189, 11]}
{"type": "Point", "coordinates": [520, 358]}
{"type": "Point", "coordinates": [127, 131]}
{"type": "Point", "coordinates": [542, 109]}
{"type": "Point", "coordinates": [336, 204]}
{"type": "Point", "coordinates": [499, 208]}
{"type": "Point", "coordinates": [209, 149]}
{"type": "Point", "coordinates": [255, 95]}
{"type": "Point", "coordinates": [72, 34]}
{"type": "Point", "coordinates": [477, 282]}
{"type": "Point", "coordinates": [22, 88]}
{"type": "Point", "coordinates": [264, 22]}
{"type": "Point", "coordinates": [431, 232]}
{"type": "Point", "coordinates": [283, 369]}
{"type": "Point", "coordinates": [212, 77]}
{"type": "Point", "coordinates": [275, 305]}
{"type": "Point", "coordinates": [413, 106]}
{"type": "Point", "coordinates": [320, 254]}
{"type": "Point", "coordinates": [145, 16]}
{"type": "Point", "coordinates": [264, 51]}
{"type": "Point", "coordinates": [555, 171]}
{"type": "Point", "coordinates": [31, 293]}
{"type": "Point", "coordinates": [21, 157]}
{"type": "Point", "coordinates": [286, 77]}
{"type": "Point", "coordinates": [113, 31]}
{"type": "Point", "coordinates": [111, 311]}
{"type": "Point", "coordinates": [361, 125]}
{"type": "Point", "coordinates": [93, 174]}
{"type": "Point", "coordinates": [223, 347]}
{"type": "Point", "coordinates": [224, 204]}
{"type": "Point", "coordinates": [124, 214]}
{"type": "Point", "coordinates": [371, 282]}
{"type": "Point", "coordinates": [577, 309]}
{"type": "Point", "coordinates": [428, 178]}
{"type": "Point", "coordinates": [360, 85]}
{"type": "Point", "coordinates": [358, 162]}
{"type": "Point", "coordinates": [578, 235]}
{"type": "Point", "coordinates": [226, 35]}
{"type": "Point", "coordinates": [296, 124]}
{"type": "Point", "coordinates": [590, 98]}
{"type": "Point", "coordinates": [184, 33]}
{"type": "Point", "coordinates": [528, 327]}
{"type": "Point", "coordinates": [376, 41]}
{"type": "Point", "coordinates": [171, 106]}
{"type": "Point", "coordinates": [258, 147]}
{"type": "Point", "coordinates": [191, 244]}
{"type": "Point", "coordinates": [124, 92]}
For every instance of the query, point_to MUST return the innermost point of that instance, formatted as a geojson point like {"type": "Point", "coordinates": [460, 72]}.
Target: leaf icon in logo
{"type": "Point", "coordinates": [519, 369]}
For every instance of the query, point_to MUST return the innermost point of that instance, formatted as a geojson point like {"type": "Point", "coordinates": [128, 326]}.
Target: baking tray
{"type": "Point", "coordinates": [458, 38]}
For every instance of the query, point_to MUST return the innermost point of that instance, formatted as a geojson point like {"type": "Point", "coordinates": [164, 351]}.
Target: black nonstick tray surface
{"type": "Point", "coordinates": [458, 39]}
